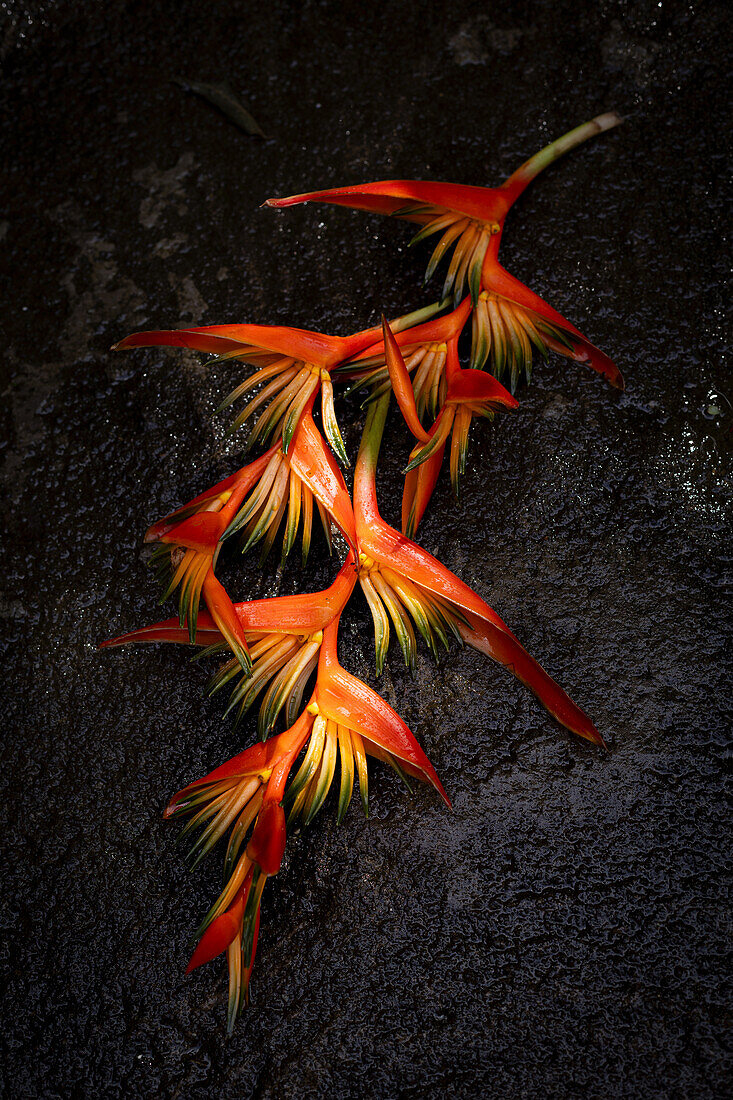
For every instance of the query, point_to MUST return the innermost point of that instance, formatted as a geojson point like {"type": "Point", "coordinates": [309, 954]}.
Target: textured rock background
{"type": "Point", "coordinates": [563, 932]}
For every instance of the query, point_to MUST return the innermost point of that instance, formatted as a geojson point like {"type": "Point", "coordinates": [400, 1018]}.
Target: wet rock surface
{"type": "Point", "coordinates": [563, 932]}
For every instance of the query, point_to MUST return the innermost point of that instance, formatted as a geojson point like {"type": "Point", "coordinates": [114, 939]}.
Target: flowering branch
{"type": "Point", "coordinates": [278, 652]}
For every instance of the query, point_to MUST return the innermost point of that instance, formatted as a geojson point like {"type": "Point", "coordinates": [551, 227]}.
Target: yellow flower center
{"type": "Point", "coordinates": [367, 565]}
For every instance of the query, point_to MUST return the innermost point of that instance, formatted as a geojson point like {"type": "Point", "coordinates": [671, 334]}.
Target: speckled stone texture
{"type": "Point", "coordinates": [563, 932]}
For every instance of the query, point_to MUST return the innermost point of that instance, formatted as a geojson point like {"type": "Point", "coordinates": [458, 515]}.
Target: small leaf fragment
{"type": "Point", "coordinates": [221, 97]}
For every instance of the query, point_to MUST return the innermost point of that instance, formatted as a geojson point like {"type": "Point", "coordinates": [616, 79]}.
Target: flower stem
{"type": "Point", "coordinates": [418, 316]}
{"type": "Point", "coordinates": [552, 152]}
{"type": "Point", "coordinates": [371, 439]}
{"type": "Point", "coordinates": [361, 340]}
{"type": "Point", "coordinates": [365, 498]}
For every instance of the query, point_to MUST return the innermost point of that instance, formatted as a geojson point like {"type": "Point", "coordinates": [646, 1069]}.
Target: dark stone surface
{"type": "Point", "coordinates": [563, 932]}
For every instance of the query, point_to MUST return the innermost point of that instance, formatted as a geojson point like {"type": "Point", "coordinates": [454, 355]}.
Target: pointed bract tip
{"type": "Point", "coordinates": [598, 741]}
{"type": "Point", "coordinates": [590, 733]}
{"type": "Point", "coordinates": [114, 643]}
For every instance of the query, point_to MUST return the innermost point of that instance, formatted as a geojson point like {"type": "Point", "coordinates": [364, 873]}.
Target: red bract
{"type": "Point", "coordinates": [426, 349]}
{"type": "Point", "coordinates": [430, 351]}
{"type": "Point", "coordinates": [401, 580]}
{"type": "Point", "coordinates": [343, 699]}
{"type": "Point", "coordinates": [189, 545]}
{"type": "Point", "coordinates": [261, 495]}
{"type": "Point", "coordinates": [295, 364]}
{"type": "Point", "coordinates": [247, 789]}
{"type": "Point", "coordinates": [286, 490]}
{"type": "Point", "coordinates": [350, 721]}
{"type": "Point", "coordinates": [510, 319]}
{"type": "Point", "coordinates": [466, 217]}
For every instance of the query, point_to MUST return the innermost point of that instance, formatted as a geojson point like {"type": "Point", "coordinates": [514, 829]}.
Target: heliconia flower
{"type": "Point", "coordinates": [194, 546]}
{"type": "Point", "coordinates": [510, 320]}
{"type": "Point", "coordinates": [401, 581]}
{"type": "Point", "coordinates": [189, 540]}
{"type": "Point", "coordinates": [469, 393]}
{"type": "Point", "coordinates": [284, 636]}
{"type": "Point", "coordinates": [344, 718]}
{"type": "Point", "coordinates": [352, 720]}
{"type": "Point", "coordinates": [293, 364]}
{"type": "Point", "coordinates": [428, 350]}
{"type": "Point", "coordinates": [312, 618]}
{"type": "Point", "coordinates": [247, 789]}
{"type": "Point", "coordinates": [465, 217]}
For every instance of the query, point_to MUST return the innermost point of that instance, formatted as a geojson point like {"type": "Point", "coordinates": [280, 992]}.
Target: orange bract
{"type": "Point", "coordinates": [416, 583]}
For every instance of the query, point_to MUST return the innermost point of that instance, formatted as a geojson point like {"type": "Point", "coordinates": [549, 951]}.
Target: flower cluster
{"type": "Point", "coordinates": [279, 652]}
